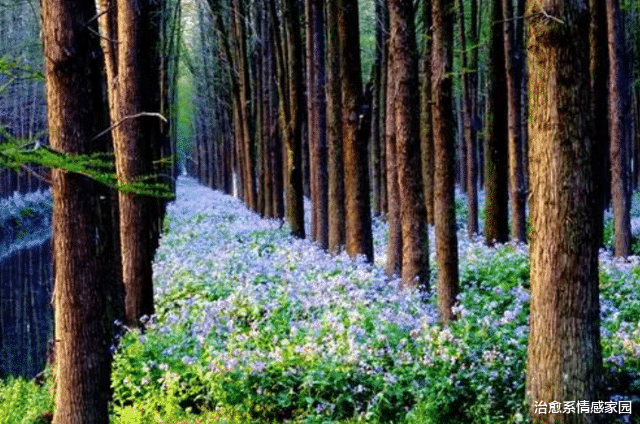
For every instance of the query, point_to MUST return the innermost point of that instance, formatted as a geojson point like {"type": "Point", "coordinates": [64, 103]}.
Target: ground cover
{"type": "Point", "coordinates": [254, 326]}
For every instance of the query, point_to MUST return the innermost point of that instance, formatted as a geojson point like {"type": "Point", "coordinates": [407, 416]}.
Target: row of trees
{"type": "Point", "coordinates": [488, 104]}
{"type": "Point", "coordinates": [260, 58]}
{"type": "Point", "coordinates": [103, 239]}
{"type": "Point", "coordinates": [395, 146]}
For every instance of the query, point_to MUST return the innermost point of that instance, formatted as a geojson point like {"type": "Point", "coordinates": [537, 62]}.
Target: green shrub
{"type": "Point", "coordinates": [22, 401]}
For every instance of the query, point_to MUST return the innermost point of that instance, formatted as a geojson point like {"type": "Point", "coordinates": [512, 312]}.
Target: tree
{"type": "Point", "coordinates": [564, 353]}
{"type": "Point", "coordinates": [83, 238]}
{"type": "Point", "coordinates": [394, 243]}
{"type": "Point", "coordinates": [468, 92]}
{"type": "Point", "coordinates": [620, 195]}
{"type": "Point", "coordinates": [496, 228]}
{"type": "Point", "coordinates": [334, 132]}
{"type": "Point", "coordinates": [377, 136]}
{"type": "Point", "coordinates": [356, 173]}
{"type": "Point", "coordinates": [426, 121]}
{"type": "Point", "coordinates": [123, 54]}
{"type": "Point", "coordinates": [404, 65]}
{"type": "Point", "coordinates": [317, 122]}
{"type": "Point", "coordinates": [241, 89]}
{"type": "Point", "coordinates": [598, 59]}
{"type": "Point", "coordinates": [444, 150]}
{"type": "Point", "coordinates": [290, 95]}
{"type": "Point", "coordinates": [514, 138]}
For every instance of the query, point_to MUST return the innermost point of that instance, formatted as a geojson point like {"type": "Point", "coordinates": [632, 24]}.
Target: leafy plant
{"type": "Point", "coordinates": [23, 401]}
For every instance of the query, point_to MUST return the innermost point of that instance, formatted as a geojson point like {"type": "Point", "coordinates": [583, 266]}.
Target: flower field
{"type": "Point", "coordinates": [253, 325]}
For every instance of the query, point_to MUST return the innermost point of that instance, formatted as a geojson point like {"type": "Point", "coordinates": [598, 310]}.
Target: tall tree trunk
{"type": "Point", "coordinates": [496, 227]}
{"type": "Point", "coordinates": [520, 65]}
{"type": "Point", "coordinates": [82, 232]}
{"type": "Point", "coordinates": [246, 151]}
{"type": "Point", "coordinates": [469, 130]}
{"type": "Point", "coordinates": [317, 122]}
{"type": "Point", "coordinates": [289, 62]}
{"type": "Point", "coordinates": [394, 244]}
{"type": "Point", "coordinates": [564, 353]}
{"type": "Point", "coordinates": [426, 121]}
{"type": "Point", "coordinates": [415, 237]}
{"type": "Point", "coordinates": [334, 132]}
{"type": "Point", "coordinates": [132, 149]}
{"type": "Point", "coordinates": [444, 149]}
{"type": "Point", "coordinates": [599, 64]}
{"type": "Point", "coordinates": [275, 145]}
{"type": "Point", "coordinates": [153, 131]}
{"type": "Point", "coordinates": [266, 137]}
{"type": "Point", "coordinates": [383, 20]}
{"type": "Point", "coordinates": [516, 175]}
{"type": "Point", "coordinates": [312, 117]}
{"type": "Point", "coordinates": [356, 182]}
{"type": "Point", "coordinates": [619, 162]}
{"type": "Point", "coordinates": [376, 136]}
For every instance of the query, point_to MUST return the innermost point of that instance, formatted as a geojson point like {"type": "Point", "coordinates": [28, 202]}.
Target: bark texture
{"type": "Point", "coordinates": [444, 150]}
{"type": "Point", "coordinates": [564, 354]}
{"type": "Point", "coordinates": [356, 171]}
{"type": "Point", "coordinates": [317, 122]}
{"type": "Point", "coordinates": [426, 121]}
{"type": "Point", "coordinates": [516, 175]}
{"type": "Point", "coordinates": [82, 232]}
{"type": "Point", "coordinates": [496, 228]}
{"type": "Point", "coordinates": [334, 133]}
{"type": "Point", "coordinates": [620, 194]}
{"type": "Point", "coordinates": [415, 237]}
{"type": "Point", "coordinates": [394, 244]}
{"type": "Point", "coordinates": [132, 149]}
{"type": "Point", "coordinates": [468, 91]}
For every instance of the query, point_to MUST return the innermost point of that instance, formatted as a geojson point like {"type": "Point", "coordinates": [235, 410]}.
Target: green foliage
{"type": "Point", "coordinates": [608, 231]}
{"type": "Point", "coordinates": [366, 14]}
{"type": "Point", "coordinates": [22, 401]}
{"type": "Point", "coordinates": [461, 210]}
{"type": "Point", "coordinates": [185, 109]}
{"type": "Point", "coordinates": [99, 166]}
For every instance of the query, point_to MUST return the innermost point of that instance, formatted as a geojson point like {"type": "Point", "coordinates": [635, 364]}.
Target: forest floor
{"type": "Point", "coordinates": [256, 326]}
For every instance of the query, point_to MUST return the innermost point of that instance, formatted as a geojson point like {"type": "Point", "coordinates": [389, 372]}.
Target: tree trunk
{"type": "Point", "coordinates": [334, 132]}
{"type": "Point", "coordinates": [564, 353]}
{"type": "Point", "coordinates": [394, 244]}
{"type": "Point", "coordinates": [620, 195]}
{"type": "Point", "coordinates": [132, 150]}
{"type": "Point", "coordinates": [426, 121]}
{"type": "Point", "coordinates": [469, 130]}
{"type": "Point", "coordinates": [496, 226]}
{"type": "Point", "coordinates": [444, 149]}
{"type": "Point", "coordinates": [289, 62]}
{"type": "Point", "coordinates": [356, 182]}
{"type": "Point", "coordinates": [241, 72]}
{"type": "Point", "coordinates": [317, 119]}
{"type": "Point", "coordinates": [82, 233]}
{"type": "Point", "coordinates": [516, 175]}
{"type": "Point", "coordinates": [599, 64]}
{"type": "Point", "coordinates": [376, 136]}
{"type": "Point", "coordinates": [404, 65]}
